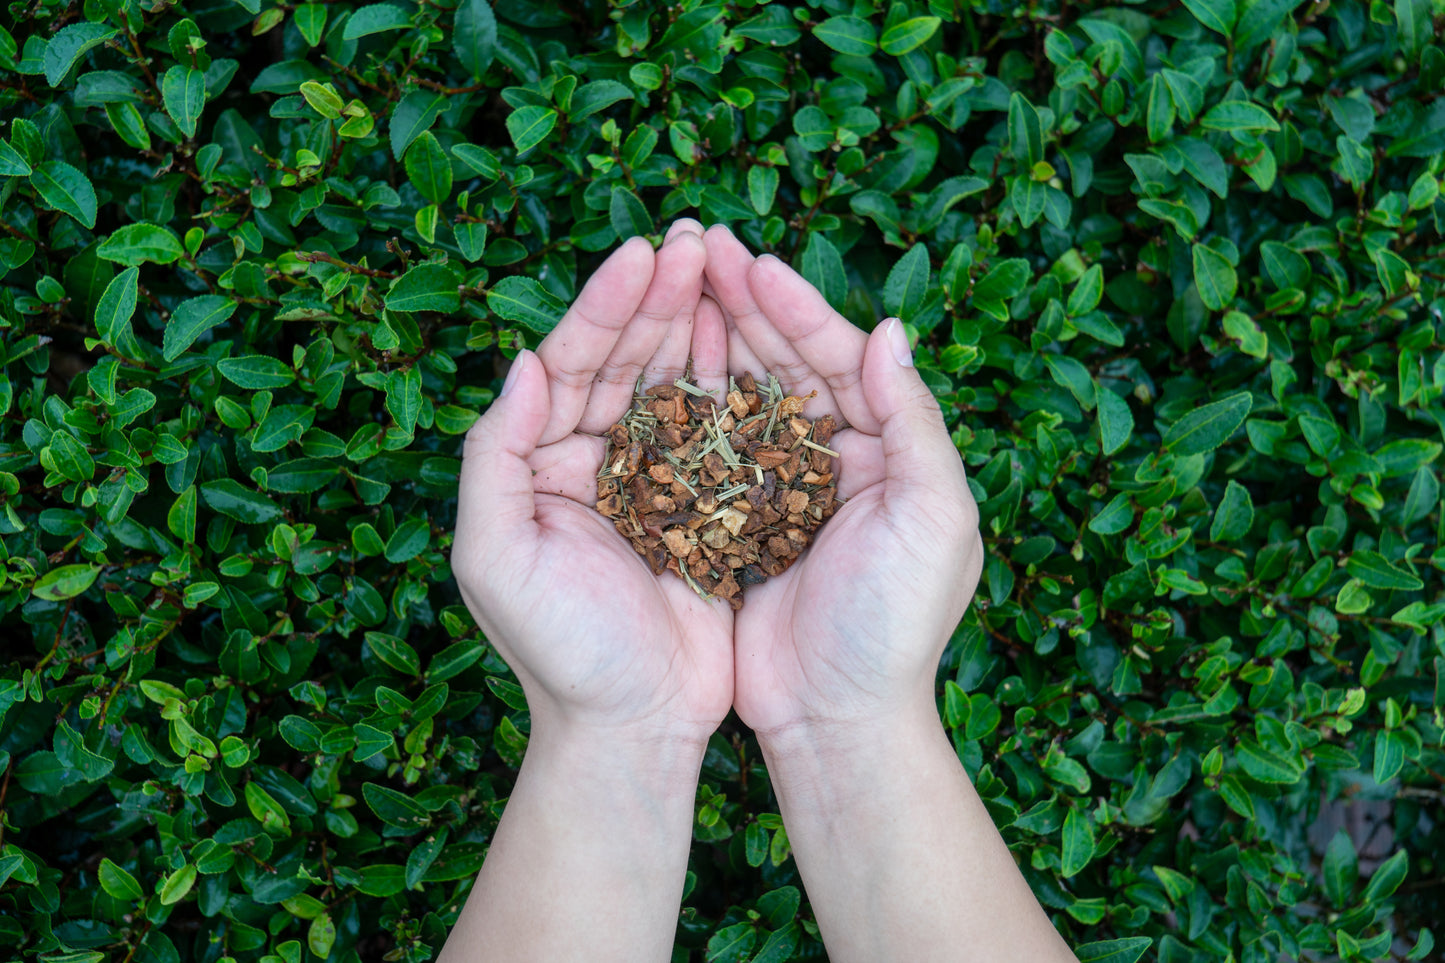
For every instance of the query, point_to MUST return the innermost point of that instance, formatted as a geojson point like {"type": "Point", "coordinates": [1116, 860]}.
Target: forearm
{"type": "Point", "coordinates": [900, 858]}
{"type": "Point", "coordinates": [589, 859]}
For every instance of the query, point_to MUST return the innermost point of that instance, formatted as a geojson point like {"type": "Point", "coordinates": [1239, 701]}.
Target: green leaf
{"type": "Point", "coordinates": [129, 125]}
{"type": "Point", "coordinates": [282, 425]}
{"type": "Point", "coordinates": [394, 653]}
{"type": "Point", "coordinates": [1286, 267]}
{"type": "Point", "coordinates": [403, 397]}
{"type": "Point", "coordinates": [69, 457]}
{"type": "Point", "coordinates": [118, 882]}
{"type": "Point", "coordinates": [394, 808]}
{"type": "Point", "coordinates": [1215, 277]}
{"type": "Point", "coordinates": [1127, 950]}
{"type": "Point", "coordinates": [1209, 426]}
{"type": "Point", "coordinates": [848, 35]}
{"type": "Point", "coordinates": [1385, 880]}
{"type": "Point", "coordinates": [1116, 421]}
{"type": "Point", "coordinates": [1376, 571]}
{"type": "Point", "coordinates": [181, 519]}
{"type": "Point", "coordinates": [452, 661]}
{"type": "Point", "coordinates": [474, 36]}
{"type": "Point", "coordinates": [1005, 280]}
{"type": "Point", "coordinates": [780, 945]}
{"type": "Point", "coordinates": [409, 540]}
{"type": "Point", "coordinates": [267, 811]}
{"type": "Point", "coordinates": [530, 125]}
{"type": "Point", "coordinates": [907, 284]}
{"type": "Point", "coordinates": [1238, 115]}
{"type": "Point", "coordinates": [1414, 26]}
{"type": "Point", "coordinates": [1392, 270]}
{"type": "Point", "coordinates": [370, 741]}
{"type": "Point", "coordinates": [256, 372]}
{"type": "Point", "coordinates": [375, 18]}
{"type": "Point", "coordinates": [179, 883]}
{"type": "Point", "coordinates": [1159, 119]}
{"type": "Point", "coordinates": [416, 112]}
{"type": "Point", "coordinates": [67, 190]}
{"type": "Point", "coordinates": [1217, 15]}
{"type": "Point", "coordinates": [1259, 20]}
{"type": "Point", "coordinates": [823, 268]}
{"type": "Point", "coordinates": [135, 244]}
{"type": "Point", "coordinates": [1070, 373]}
{"type": "Point", "coordinates": [1087, 292]}
{"type": "Point", "coordinates": [323, 99]}
{"type": "Point", "coordinates": [191, 319]}
{"type": "Point", "coordinates": [628, 214]}
{"type": "Point", "coordinates": [762, 187]}
{"type": "Point", "coordinates": [900, 38]}
{"type": "Point", "coordinates": [1423, 497]}
{"type": "Point", "coordinates": [429, 169]}
{"type": "Point", "coordinates": [731, 944]}
{"type": "Point", "coordinates": [11, 163]}
{"type": "Point", "coordinates": [525, 301]}
{"type": "Point", "coordinates": [1341, 869]}
{"type": "Point", "coordinates": [1267, 766]}
{"type": "Point", "coordinates": [321, 936]}
{"type": "Point", "coordinates": [1025, 131]}
{"type": "Point", "coordinates": [116, 307]}
{"type": "Point", "coordinates": [1353, 162]}
{"type": "Point", "coordinates": [595, 96]}
{"type": "Point", "coordinates": [1114, 517]}
{"type": "Point", "coordinates": [814, 128]}
{"type": "Point", "coordinates": [1235, 515]}
{"type": "Point", "coordinates": [68, 45]}
{"type": "Point", "coordinates": [65, 582]}
{"type": "Point", "coordinates": [1078, 843]}
{"type": "Point", "coordinates": [183, 89]}
{"type": "Point", "coordinates": [426, 287]}
{"type": "Point", "coordinates": [228, 497]}
{"type": "Point", "coordinates": [310, 20]}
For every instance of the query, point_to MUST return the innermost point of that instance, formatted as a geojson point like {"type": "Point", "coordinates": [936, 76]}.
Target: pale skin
{"type": "Point", "coordinates": [832, 663]}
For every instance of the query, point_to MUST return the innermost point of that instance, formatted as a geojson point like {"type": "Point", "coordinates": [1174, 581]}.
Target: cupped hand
{"type": "Point", "coordinates": [595, 638]}
{"type": "Point", "coordinates": [853, 631]}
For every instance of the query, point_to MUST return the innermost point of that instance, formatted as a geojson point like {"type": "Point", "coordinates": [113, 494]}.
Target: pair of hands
{"type": "Point", "coordinates": [851, 633]}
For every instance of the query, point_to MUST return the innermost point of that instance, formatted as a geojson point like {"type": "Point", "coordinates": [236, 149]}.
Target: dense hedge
{"type": "Point", "coordinates": [1175, 271]}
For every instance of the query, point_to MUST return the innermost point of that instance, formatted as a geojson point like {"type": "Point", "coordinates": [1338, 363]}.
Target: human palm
{"type": "Point", "coordinates": [591, 632]}
{"type": "Point", "coordinates": [855, 628]}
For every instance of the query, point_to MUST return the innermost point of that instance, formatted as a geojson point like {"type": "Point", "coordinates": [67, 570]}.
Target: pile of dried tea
{"type": "Point", "coordinates": [722, 496]}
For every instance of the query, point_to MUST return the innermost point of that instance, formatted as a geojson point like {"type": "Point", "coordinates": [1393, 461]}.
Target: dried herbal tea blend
{"type": "Point", "coordinates": [723, 496]}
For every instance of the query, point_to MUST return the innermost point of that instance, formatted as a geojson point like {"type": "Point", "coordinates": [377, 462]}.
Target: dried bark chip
{"type": "Point", "coordinates": [723, 496]}
{"type": "Point", "coordinates": [677, 542]}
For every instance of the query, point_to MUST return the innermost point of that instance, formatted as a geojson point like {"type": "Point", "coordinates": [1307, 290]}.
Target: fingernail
{"type": "Point", "coordinates": [512, 374]}
{"type": "Point", "coordinates": [898, 341]}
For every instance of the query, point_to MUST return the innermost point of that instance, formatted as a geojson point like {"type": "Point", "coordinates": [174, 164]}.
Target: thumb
{"type": "Point", "coordinates": [496, 502]}
{"type": "Point", "coordinates": [919, 458]}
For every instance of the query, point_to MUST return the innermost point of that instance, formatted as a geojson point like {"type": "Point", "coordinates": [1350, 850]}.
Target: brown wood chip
{"type": "Point", "coordinates": [724, 496]}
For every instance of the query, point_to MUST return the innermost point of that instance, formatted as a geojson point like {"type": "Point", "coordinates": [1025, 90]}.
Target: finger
{"type": "Point", "coordinates": [741, 357]}
{"type": "Point", "coordinates": [670, 361]}
{"type": "Point", "coordinates": [728, 267]}
{"type": "Point", "coordinates": [919, 458]}
{"type": "Point", "coordinates": [710, 349]}
{"type": "Point", "coordinates": [496, 502]}
{"type": "Point", "coordinates": [691, 225]}
{"type": "Point", "coordinates": [668, 304]}
{"type": "Point", "coordinates": [822, 338]}
{"type": "Point", "coordinates": [582, 341]}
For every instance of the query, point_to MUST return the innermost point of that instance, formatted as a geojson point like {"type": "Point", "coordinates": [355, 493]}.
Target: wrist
{"type": "Point", "coordinates": [659, 760]}
{"type": "Point", "coordinates": [831, 764]}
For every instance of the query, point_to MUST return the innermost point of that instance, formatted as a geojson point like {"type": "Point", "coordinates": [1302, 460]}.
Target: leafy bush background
{"type": "Point", "coordinates": [1175, 272]}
